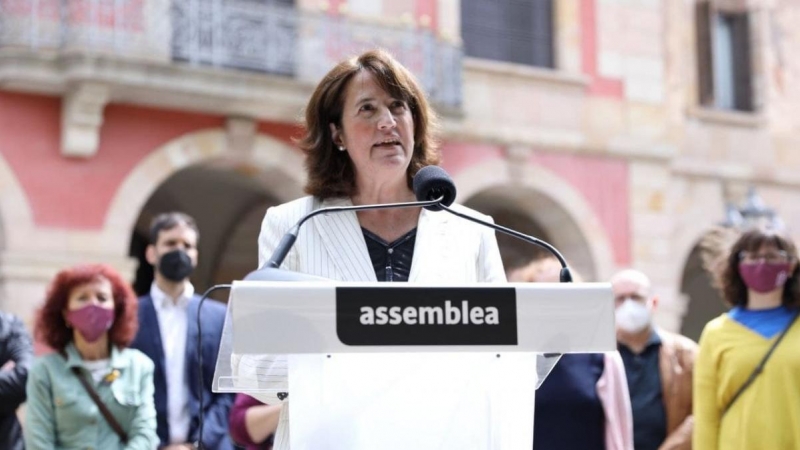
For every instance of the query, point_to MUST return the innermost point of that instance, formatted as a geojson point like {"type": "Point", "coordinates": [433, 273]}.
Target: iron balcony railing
{"type": "Point", "coordinates": [265, 36]}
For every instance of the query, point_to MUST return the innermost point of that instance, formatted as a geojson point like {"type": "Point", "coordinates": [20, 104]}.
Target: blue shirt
{"type": "Point", "coordinates": [766, 322]}
{"type": "Point", "coordinates": [647, 402]}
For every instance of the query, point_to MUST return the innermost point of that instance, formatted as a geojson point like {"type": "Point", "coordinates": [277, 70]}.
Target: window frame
{"type": "Point", "coordinates": [534, 46]}
{"type": "Point", "coordinates": [743, 71]}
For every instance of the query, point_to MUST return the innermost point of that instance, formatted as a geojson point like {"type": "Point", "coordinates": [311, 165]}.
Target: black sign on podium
{"type": "Point", "coordinates": [433, 316]}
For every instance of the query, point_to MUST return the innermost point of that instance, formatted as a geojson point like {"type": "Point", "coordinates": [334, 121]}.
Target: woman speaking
{"type": "Point", "coordinates": [368, 131]}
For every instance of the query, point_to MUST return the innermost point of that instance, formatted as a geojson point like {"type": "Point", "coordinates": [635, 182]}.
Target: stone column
{"type": "Point", "coordinates": [652, 225]}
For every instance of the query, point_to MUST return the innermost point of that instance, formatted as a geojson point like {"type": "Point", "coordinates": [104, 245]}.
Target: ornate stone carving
{"type": "Point", "coordinates": [81, 119]}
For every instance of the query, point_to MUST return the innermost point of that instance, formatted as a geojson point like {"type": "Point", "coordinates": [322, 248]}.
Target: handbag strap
{"type": "Point", "coordinates": [103, 408]}
{"type": "Point", "coordinates": [760, 367]}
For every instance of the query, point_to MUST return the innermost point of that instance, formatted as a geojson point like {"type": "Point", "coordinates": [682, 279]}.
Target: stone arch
{"type": "Point", "coordinates": [703, 301]}
{"type": "Point", "coordinates": [273, 163]}
{"type": "Point", "coordinates": [692, 224]}
{"type": "Point", "coordinates": [16, 228]}
{"type": "Point", "coordinates": [16, 215]}
{"type": "Point", "coordinates": [569, 220]}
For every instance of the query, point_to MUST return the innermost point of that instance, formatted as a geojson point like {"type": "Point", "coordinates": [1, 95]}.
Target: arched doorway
{"type": "Point", "coordinates": [554, 209]}
{"type": "Point", "coordinates": [520, 209]}
{"type": "Point", "coordinates": [508, 214]}
{"type": "Point", "coordinates": [227, 192]}
{"type": "Point", "coordinates": [228, 205]}
{"type": "Point", "coordinates": [704, 301]}
{"type": "Point", "coordinates": [21, 288]}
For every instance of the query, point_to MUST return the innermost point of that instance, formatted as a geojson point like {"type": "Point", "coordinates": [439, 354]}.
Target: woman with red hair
{"type": "Point", "coordinates": [92, 391]}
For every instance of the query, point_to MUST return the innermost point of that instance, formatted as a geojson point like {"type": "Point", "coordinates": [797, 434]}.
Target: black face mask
{"type": "Point", "coordinates": [175, 265]}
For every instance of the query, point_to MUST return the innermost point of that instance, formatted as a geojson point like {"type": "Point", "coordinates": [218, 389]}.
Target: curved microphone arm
{"type": "Point", "coordinates": [200, 394]}
{"type": "Point", "coordinates": [288, 239]}
{"type": "Point", "coordinates": [565, 276]}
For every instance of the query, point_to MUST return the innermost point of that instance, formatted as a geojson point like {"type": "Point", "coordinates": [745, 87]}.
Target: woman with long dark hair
{"type": "Point", "coordinates": [747, 373]}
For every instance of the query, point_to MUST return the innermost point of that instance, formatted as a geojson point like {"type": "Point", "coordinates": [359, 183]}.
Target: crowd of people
{"type": "Point", "coordinates": [123, 372]}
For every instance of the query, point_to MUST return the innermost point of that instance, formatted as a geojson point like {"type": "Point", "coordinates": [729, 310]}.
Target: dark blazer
{"type": "Point", "coordinates": [16, 346]}
{"type": "Point", "coordinates": [215, 406]}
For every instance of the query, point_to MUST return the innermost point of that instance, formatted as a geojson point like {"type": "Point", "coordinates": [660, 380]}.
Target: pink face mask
{"type": "Point", "coordinates": [763, 276]}
{"type": "Point", "coordinates": [91, 321]}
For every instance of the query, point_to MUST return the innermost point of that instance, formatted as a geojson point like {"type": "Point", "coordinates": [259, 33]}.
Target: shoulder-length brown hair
{"type": "Point", "coordinates": [51, 328]}
{"type": "Point", "coordinates": [331, 172]}
{"type": "Point", "coordinates": [734, 291]}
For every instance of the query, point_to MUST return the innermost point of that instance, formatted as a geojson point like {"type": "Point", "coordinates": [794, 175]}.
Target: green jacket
{"type": "Point", "coordinates": [61, 414]}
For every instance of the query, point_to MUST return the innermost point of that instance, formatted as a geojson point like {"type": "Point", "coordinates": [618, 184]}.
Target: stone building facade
{"type": "Point", "coordinates": [619, 130]}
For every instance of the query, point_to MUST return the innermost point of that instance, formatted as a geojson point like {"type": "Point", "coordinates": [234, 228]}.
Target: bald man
{"type": "Point", "coordinates": [658, 365]}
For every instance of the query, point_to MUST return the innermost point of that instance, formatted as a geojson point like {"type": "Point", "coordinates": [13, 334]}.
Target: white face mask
{"type": "Point", "coordinates": [632, 316]}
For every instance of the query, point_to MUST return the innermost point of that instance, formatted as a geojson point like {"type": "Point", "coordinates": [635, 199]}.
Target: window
{"type": "Point", "coordinates": [724, 64]}
{"type": "Point", "coordinates": [516, 31]}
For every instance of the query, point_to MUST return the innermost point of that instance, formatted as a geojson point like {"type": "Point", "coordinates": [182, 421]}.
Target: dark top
{"type": "Point", "coordinates": [568, 413]}
{"type": "Point", "coordinates": [392, 262]}
{"type": "Point", "coordinates": [647, 403]}
{"type": "Point", "coordinates": [16, 346]}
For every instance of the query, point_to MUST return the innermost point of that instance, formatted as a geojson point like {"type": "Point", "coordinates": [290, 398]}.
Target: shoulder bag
{"type": "Point", "coordinates": [760, 367]}
{"type": "Point", "coordinates": [103, 408]}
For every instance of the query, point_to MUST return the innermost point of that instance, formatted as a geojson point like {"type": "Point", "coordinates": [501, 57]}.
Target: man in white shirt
{"type": "Point", "coordinates": [168, 335]}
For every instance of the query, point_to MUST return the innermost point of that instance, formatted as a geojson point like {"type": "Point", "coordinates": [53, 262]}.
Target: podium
{"type": "Point", "coordinates": [398, 366]}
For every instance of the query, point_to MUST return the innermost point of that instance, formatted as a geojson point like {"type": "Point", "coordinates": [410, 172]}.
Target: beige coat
{"type": "Point", "coordinates": [676, 363]}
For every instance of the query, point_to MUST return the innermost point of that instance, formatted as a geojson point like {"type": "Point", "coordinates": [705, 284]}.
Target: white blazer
{"type": "Point", "coordinates": [448, 249]}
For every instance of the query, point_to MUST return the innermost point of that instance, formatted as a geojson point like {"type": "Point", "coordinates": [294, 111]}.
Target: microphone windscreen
{"type": "Point", "coordinates": [432, 182]}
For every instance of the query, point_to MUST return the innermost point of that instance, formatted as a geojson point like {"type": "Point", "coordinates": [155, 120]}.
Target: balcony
{"type": "Point", "coordinates": [217, 53]}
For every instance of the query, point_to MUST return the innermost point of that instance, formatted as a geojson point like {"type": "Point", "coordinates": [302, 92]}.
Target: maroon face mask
{"type": "Point", "coordinates": [764, 277]}
{"type": "Point", "coordinates": [91, 321]}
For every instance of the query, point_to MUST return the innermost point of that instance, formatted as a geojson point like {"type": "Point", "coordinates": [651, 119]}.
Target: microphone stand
{"type": "Point", "coordinates": [200, 379]}
{"type": "Point", "coordinates": [565, 276]}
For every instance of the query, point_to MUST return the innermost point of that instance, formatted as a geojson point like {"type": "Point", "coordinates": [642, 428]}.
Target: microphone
{"type": "Point", "coordinates": [435, 186]}
{"type": "Point", "coordinates": [432, 182]}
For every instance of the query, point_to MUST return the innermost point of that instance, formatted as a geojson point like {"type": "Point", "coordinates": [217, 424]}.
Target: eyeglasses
{"type": "Point", "coordinates": [776, 256]}
{"type": "Point", "coordinates": [636, 297]}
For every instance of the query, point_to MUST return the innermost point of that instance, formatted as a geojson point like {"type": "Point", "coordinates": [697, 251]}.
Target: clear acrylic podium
{"type": "Point", "coordinates": [396, 366]}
